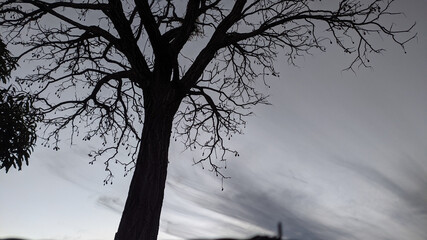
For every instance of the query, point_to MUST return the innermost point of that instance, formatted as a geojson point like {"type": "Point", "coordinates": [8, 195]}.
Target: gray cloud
{"type": "Point", "coordinates": [263, 208]}
{"type": "Point", "coordinates": [114, 204]}
{"type": "Point", "coordinates": [407, 205]}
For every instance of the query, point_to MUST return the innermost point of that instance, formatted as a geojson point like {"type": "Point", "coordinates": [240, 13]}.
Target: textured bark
{"type": "Point", "coordinates": [141, 215]}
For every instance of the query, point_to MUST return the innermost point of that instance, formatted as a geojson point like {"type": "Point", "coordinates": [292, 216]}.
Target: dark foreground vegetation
{"type": "Point", "coordinates": [253, 238]}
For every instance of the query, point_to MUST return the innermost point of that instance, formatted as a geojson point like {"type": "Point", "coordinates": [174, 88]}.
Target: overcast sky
{"type": "Point", "coordinates": [336, 156]}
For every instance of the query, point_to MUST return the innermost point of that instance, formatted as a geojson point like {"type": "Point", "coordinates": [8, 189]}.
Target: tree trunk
{"type": "Point", "coordinates": [141, 215]}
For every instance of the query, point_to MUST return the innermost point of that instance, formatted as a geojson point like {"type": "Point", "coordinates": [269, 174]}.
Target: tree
{"type": "Point", "coordinates": [18, 118]}
{"type": "Point", "coordinates": [18, 122]}
{"type": "Point", "coordinates": [7, 63]}
{"type": "Point", "coordinates": [183, 71]}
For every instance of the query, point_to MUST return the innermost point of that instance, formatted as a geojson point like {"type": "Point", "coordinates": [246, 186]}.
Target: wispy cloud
{"type": "Point", "coordinates": [114, 204]}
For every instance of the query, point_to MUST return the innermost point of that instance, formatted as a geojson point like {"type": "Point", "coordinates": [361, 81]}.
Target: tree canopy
{"type": "Point", "coordinates": [18, 122]}
{"type": "Point", "coordinates": [213, 52]}
{"type": "Point", "coordinates": [7, 63]}
{"type": "Point", "coordinates": [18, 118]}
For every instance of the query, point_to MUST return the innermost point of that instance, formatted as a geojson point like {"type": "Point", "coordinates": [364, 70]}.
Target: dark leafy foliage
{"type": "Point", "coordinates": [7, 62]}
{"type": "Point", "coordinates": [18, 120]}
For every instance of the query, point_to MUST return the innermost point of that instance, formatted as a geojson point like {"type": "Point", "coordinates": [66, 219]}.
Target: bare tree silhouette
{"type": "Point", "coordinates": [182, 71]}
